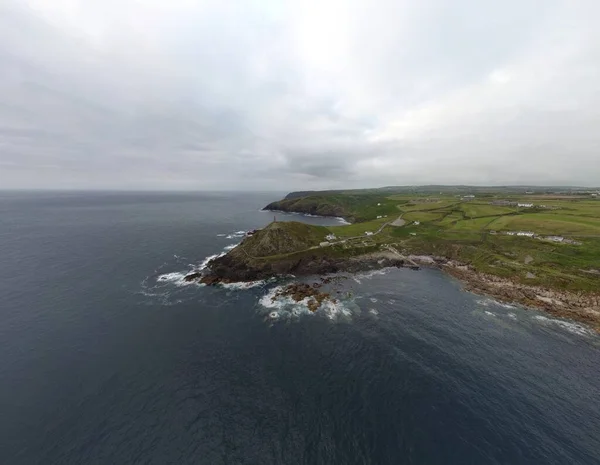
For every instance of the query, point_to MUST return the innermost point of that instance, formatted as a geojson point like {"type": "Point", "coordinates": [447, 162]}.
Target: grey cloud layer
{"type": "Point", "coordinates": [304, 94]}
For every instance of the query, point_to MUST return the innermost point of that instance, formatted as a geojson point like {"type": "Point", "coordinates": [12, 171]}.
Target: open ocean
{"type": "Point", "coordinates": [106, 357]}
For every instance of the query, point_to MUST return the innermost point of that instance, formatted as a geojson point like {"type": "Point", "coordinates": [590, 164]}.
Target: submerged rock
{"type": "Point", "coordinates": [301, 291]}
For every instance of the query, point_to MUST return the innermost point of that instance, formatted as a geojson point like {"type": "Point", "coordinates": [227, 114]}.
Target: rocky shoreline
{"type": "Point", "coordinates": [580, 307]}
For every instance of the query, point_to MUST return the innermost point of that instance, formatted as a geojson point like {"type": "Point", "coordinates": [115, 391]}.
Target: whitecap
{"type": "Point", "coordinates": [230, 247]}
{"type": "Point", "coordinates": [206, 261]}
{"type": "Point", "coordinates": [373, 299]}
{"type": "Point", "coordinates": [177, 278]}
{"type": "Point", "coordinates": [488, 302]}
{"type": "Point", "coordinates": [372, 311]}
{"type": "Point", "coordinates": [370, 274]}
{"type": "Point", "coordinates": [242, 286]}
{"type": "Point", "coordinates": [571, 327]}
{"type": "Point", "coordinates": [489, 313]}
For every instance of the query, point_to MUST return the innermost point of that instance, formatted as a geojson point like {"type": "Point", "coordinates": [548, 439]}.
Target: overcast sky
{"type": "Point", "coordinates": [300, 94]}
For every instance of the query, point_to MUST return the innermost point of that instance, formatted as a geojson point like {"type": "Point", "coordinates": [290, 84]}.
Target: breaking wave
{"type": "Point", "coordinates": [285, 307]}
{"type": "Point", "coordinates": [571, 327]}
{"type": "Point", "coordinates": [358, 277]}
{"type": "Point", "coordinates": [488, 302]}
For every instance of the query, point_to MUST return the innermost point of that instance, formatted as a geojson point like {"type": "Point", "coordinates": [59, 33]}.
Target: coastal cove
{"type": "Point", "coordinates": [110, 356]}
{"type": "Point", "coordinates": [376, 239]}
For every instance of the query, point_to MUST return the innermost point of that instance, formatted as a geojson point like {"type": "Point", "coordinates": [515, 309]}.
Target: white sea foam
{"type": "Point", "coordinates": [489, 313]}
{"type": "Point", "coordinates": [373, 299]}
{"type": "Point", "coordinates": [231, 247]}
{"type": "Point", "coordinates": [571, 327]}
{"type": "Point", "coordinates": [512, 316]}
{"type": "Point", "coordinates": [358, 277]}
{"type": "Point", "coordinates": [372, 311]}
{"type": "Point", "coordinates": [287, 307]}
{"type": "Point", "coordinates": [176, 278]}
{"type": "Point", "coordinates": [243, 286]}
{"type": "Point", "coordinates": [488, 302]}
{"type": "Point", "coordinates": [235, 235]}
{"type": "Point", "coordinates": [205, 262]}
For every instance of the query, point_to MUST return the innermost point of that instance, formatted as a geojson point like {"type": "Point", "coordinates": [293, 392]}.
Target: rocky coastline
{"type": "Point", "coordinates": [580, 307]}
{"type": "Point", "coordinates": [229, 269]}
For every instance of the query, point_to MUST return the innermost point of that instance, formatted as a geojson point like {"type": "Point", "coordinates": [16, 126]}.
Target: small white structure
{"type": "Point", "coordinates": [379, 217]}
{"type": "Point", "coordinates": [510, 233]}
{"type": "Point", "coordinates": [525, 205]}
{"type": "Point", "coordinates": [324, 244]}
{"type": "Point", "coordinates": [379, 205]}
{"type": "Point", "coordinates": [413, 234]}
{"type": "Point", "coordinates": [368, 233]}
{"type": "Point", "coordinates": [417, 223]}
{"type": "Point", "coordinates": [330, 237]}
{"type": "Point", "coordinates": [555, 238]}
{"type": "Point", "coordinates": [526, 233]}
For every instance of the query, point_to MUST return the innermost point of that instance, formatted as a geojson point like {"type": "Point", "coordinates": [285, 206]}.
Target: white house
{"type": "Point", "coordinates": [330, 237]}
{"type": "Point", "coordinates": [417, 223]}
{"type": "Point", "coordinates": [368, 233]}
{"type": "Point", "coordinates": [525, 233]}
{"type": "Point", "coordinates": [379, 217]}
{"type": "Point", "coordinates": [525, 205]}
{"type": "Point", "coordinates": [379, 205]}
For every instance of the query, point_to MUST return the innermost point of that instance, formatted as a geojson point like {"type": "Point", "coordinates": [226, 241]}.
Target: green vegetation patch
{"type": "Point", "coordinates": [423, 216]}
{"type": "Point", "coordinates": [474, 210]}
{"type": "Point", "coordinates": [550, 224]}
{"type": "Point", "coordinates": [280, 238]}
{"type": "Point", "coordinates": [356, 208]}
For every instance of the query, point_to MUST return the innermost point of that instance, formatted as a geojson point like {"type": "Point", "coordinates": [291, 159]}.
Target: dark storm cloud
{"type": "Point", "coordinates": [307, 94]}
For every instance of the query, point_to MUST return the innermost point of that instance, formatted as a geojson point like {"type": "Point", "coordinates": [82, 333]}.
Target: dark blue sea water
{"type": "Point", "coordinates": [106, 358]}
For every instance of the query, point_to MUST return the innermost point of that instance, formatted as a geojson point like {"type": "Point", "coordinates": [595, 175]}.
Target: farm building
{"type": "Point", "coordinates": [525, 205]}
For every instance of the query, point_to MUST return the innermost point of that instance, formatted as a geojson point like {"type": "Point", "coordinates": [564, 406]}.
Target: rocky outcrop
{"type": "Point", "coordinates": [230, 268]}
{"type": "Point", "coordinates": [583, 307]}
{"type": "Point", "coordinates": [301, 291]}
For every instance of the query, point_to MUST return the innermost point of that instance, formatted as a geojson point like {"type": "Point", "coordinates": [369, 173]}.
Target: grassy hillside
{"type": "Point", "coordinates": [281, 238]}
{"type": "Point", "coordinates": [355, 208]}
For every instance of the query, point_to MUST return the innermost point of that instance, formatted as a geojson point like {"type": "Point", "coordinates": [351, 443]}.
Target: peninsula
{"type": "Point", "coordinates": [539, 247]}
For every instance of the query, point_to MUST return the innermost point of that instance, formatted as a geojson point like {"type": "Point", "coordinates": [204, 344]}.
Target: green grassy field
{"type": "Point", "coordinates": [463, 230]}
{"type": "Point", "coordinates": [474, 231]}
